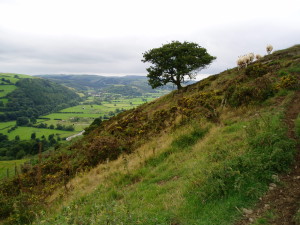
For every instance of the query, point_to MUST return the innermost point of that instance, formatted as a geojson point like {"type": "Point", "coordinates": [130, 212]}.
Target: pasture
{"type": "Point", "coordinates": [80, 116]}
{"type": "Point", "coordinates": [5, 89]}
{"type": "Point", "coordinates": [5, 125]}
{"type": "Point", "coordinates": [9, 167]}
{"type": "Point", "coordinates": [25, 133]}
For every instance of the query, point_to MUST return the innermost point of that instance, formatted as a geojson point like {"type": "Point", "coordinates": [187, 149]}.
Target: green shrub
{"type": "Point", "coordinates": [6, 206]}
{"type": "Point", "coordinates": [25, 209]}
{"type": "Point", "coordinates": [282, 73]}
{"type": "Point", "coordinates": [241, 95]}
{"type": "Point", "coordinates": [257, 90]}
{"type": "Point", "coordinates": [256, 70]}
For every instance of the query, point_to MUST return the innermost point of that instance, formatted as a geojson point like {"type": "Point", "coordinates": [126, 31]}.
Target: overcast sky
{"type": "Point", "coordinates": [108, 37]}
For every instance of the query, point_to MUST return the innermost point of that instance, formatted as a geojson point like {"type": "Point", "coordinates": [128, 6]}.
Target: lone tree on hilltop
{"type": "Point", "coordinates": [174, 62]}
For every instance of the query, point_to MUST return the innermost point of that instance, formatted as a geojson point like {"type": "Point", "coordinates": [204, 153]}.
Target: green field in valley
{"type": "Point", "coordinates": [25, 133]}
{"type": "Point", "coordinates": [80, 117]}
{"type": "Point", "coordinates": [8, 167]}
{"type": "Point", "coordinates": [5, 89]}
{"type": "Point", "coordinates": [83, 115]}
{"type": "Point", "coordinates": [5, 125]}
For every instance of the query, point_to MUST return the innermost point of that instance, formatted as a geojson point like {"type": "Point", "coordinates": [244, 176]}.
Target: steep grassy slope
{"type": "Point", "coordinates": [197, 156]}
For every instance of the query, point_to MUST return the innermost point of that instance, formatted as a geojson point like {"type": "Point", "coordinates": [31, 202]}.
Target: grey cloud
{"type": "Point", "coordinates": [37, 55]}
{"type": "Point", "coordinates": [74, 56]}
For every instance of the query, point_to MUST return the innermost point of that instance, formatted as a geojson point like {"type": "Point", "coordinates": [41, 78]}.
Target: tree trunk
{"type": "Point", "coordinates": [178, 86]}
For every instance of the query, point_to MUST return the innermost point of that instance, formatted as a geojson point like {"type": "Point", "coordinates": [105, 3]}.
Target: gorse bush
{"type": "Point", "coordinates": [256, 70]}
{"type": "Point", "coordinates": [239, 95]}
{"type": "Point", "coordinates": [288, 82]}
{"type": "Point", "coordinates": [255, 91]}
{"type": "Point", "coordinates": [103, 148]}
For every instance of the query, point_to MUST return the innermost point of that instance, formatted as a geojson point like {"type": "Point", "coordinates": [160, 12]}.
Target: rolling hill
{"type": "Point", "coordinates": [22, 95]}
{"type": "Point", "coordinates": [88, 82]}
{"type": "Point", "coordinates": [203, 155]}
{"type": "Point", "coordinates": [129, 85]}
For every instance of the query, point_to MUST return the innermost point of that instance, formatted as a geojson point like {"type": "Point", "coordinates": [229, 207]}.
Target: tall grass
{"type": "Point", "coordinates": [238, 182]}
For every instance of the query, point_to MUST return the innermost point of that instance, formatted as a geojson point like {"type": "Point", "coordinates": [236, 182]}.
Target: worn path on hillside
{"type": "Point", "coordinates": [283, 200]}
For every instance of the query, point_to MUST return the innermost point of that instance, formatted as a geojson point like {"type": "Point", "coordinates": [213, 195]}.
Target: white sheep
{"type": "Point", "coordinates": [251, 56]}
{"type": "Point", "coordinates": [258, 57]}
{"type": "Point", "coordinates": [269, 49]}
{"type": "Point", "coordinates": [240, 62]}
{"type": "Point", "coordinates": [245, 60]}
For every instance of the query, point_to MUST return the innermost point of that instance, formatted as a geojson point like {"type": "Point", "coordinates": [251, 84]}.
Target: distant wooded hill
{"type": "Point", "coordinates": [32, 97]}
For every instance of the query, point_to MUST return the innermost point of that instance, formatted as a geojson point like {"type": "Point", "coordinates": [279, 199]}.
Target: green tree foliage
{"type": "Point", "coordinates": [16, 149]}
{"type": "Point", "coordinates": [175, 62]}
{"type": "Point", "coordinates": [63, 127]}
{"type": "Point", "coordinates": [33, 136]}
{"type": "Point", "coordinates": [22, 121]}
{"type": "Point", "coordinates": [3, 137]}
{"type": "Point", "coordinates": [96, 123]}
{"type": "Point", "coordinates": [33, 120]}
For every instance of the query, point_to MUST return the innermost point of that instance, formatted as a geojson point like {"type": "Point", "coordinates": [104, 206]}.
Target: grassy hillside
{"type": "Point", "coordinates": [195, 156]}
{"type": "Point", "coordinates": [7, 85]}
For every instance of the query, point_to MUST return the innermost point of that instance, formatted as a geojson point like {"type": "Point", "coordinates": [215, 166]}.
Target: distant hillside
{"type": "Point", "coordinates": [86, 82]}
{"type": "Point", "coordinates": [201, 155]}
{"type": "Point", "coordinates": [126, 85]}
{"type": "Point", "coordinates": [31, 97]}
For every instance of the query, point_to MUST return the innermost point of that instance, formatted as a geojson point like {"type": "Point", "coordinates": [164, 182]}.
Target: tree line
{"type": "Point", "coordinates": [17, 148]}
{"type": "Point", "coordinates": [31, 122]}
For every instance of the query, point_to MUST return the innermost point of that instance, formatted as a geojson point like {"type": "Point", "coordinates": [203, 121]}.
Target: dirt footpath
{"type": "Point", "coordinates": [284, 199]}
